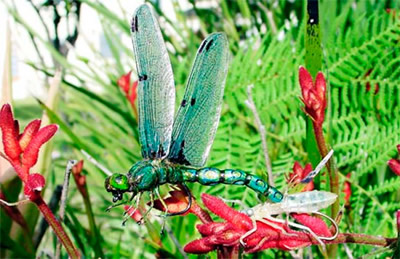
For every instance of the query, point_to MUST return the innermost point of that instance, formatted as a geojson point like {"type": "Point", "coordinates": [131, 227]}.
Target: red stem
{"type": "Point", "coordinates": [55, 225]}
{"type": "Point", "coordinates": [362, 239]}
{"type": "Point", "coordinates": [333, 174]}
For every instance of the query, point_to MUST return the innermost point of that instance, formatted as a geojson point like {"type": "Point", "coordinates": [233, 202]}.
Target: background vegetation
{"type": "Point", "coordinates": [361, 61]}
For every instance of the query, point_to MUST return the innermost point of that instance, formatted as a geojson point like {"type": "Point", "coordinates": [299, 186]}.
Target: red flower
{"type": "Point", "coordinates": [80, 179]}
{"type": "Point", "coordinates": [237, 224]}
{"type": "Point", "coordinates": [124, 82]}
{"type": "Point", "coordinates": [21, 150]}
{"type": "Point", "coordinates": [347, 191]}
{"type": "Point", "coordinates": [394, 164]}
{"type": "Point", "coordinates": [314, 95]}
{"type": "Point", "coordinates": [178, 201]}
{"type": "Point", "coordinates": [298, 175]}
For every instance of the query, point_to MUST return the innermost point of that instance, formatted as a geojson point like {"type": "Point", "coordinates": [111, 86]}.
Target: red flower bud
{"type": "Point", "coordinates": [124, 82]}
{"type": "Point", "coordinates": [30, 155]}
{"type": "Point", "coordinates": [314, 95]}
{"type": "Point", "coordinates": [299, 174]}
{"type": "Point", "coordinates": [30, 130]}
{"type": "Point", "coordinates": [10, 132]}
{"type": "Point", "coordinates": [34, 184]}
{"type": "Point", "coordinates": [394, 164]}
{"type": "Point", "coordinates": [80, 179]}
{"type": "Point", "coordinates": [347, 190]}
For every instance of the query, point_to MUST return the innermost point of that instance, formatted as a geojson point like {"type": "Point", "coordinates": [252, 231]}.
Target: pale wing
{"type": "Point", "coordinates": [198, 115]}
{"type": "Point", "coordinates": [156, 90]}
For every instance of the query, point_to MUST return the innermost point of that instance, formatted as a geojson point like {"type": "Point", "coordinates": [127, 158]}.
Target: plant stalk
{"type": "Point", "coordinates": [333, 174]}
{"type": "Point", "coordinates": [55, 225]}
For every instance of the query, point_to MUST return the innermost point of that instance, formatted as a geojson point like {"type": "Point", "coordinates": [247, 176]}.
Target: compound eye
{"type": "Point", "coordinates": [119, 182]}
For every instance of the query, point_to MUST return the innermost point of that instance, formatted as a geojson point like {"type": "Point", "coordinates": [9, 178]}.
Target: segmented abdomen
{"type": "Point", "coordinates": [212, 176]}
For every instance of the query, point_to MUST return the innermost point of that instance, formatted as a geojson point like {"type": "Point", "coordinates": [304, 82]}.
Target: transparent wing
{"type": "Point", "coordinates": [156, 90]}
{"type": "Point", "coordinates": [198, 115]}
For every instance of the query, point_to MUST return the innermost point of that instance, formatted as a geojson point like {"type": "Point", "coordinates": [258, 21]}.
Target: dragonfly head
{"type": "Point", "coordinates": [117, 184]}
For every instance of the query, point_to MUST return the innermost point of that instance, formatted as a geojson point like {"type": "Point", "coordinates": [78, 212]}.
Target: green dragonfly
{"type": "Point", "coordinates": [175, 152]}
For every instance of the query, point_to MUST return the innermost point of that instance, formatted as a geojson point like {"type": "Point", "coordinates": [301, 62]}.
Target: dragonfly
{"type": "Point", "coordinates": [174, 151]}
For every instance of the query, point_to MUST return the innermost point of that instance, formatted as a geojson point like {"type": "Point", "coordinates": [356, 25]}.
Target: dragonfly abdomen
{"type": "Point", "coordinates": [213, 176]}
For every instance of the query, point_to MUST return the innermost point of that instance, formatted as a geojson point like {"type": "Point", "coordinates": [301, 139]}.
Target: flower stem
{"type": "Point", "coordinates": [55, 225]}
{"type": "Point", "coordinates": [363, 239]}
{"type": "Point", "coordinates": [333, 174]}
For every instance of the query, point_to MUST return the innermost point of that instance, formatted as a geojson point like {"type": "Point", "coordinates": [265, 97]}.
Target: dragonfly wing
{"type": "Point", "coordinates": [156, 90]}
{"type": "Point", "coordinates": [198, 115]}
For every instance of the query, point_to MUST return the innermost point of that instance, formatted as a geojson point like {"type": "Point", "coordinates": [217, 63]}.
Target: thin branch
{"type": "Point", "coordinates": [63, 201]}
{"type": "Point", "coordinates": [41, 20]}
{"type": "Point", "coordinates": [250, 103]}
{"type": "Point", "coordinates": [96, 163]}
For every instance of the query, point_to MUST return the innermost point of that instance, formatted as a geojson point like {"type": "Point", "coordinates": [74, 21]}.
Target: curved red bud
{"type": "Point", "coordinates": [198, 246]}
{"type": "Point", "coordinates": [124, 82]}
{"type": "Point", "coordinates": [10, 133]}
{"type": "Point", "coordinates": [306, 82]}
{"type": "Point", "coordinates": [30, 155]}
{"type": "Point", "coordinates": [317, 225]}
{"type": "Point", "coordinates": [133, 92]}
{"type": "Point", "coordinates": [219, 208]}
{"type": "Point", "coordinates": [29, 132]}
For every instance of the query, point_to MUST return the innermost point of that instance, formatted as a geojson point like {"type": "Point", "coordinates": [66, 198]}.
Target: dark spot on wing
{"type": "Point", "coordinates": [202, 46]}
{"type": "Point", "coordinates": [142, 77]}
{"type": "Point", "coordinates": [209, 45]}
{"type": "Point", "coordinates": [193, 101]}
{"type": "Point", "coordinates": [183, 104]}
{"type": "Point", "coordinates": [133, 29]}
{"type": "Point", "coordinates": [181, 159]}
{"type": "Point", "coordinates": [136, 23]}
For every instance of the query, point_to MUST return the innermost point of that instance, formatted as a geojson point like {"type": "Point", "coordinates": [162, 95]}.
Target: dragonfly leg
{"type": "Point", "coordinates": [188, 206]}
{"type": "Point", "coordinates": [248, 233]}
{"type": "Point", "coordinates": [128, 215]}
{"type": "Point", "coordinates": [141, 221]}
{"type": "Point", "coordinates": [166, 210]}
{"type": "Point", "coordinates": [333, 223]}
